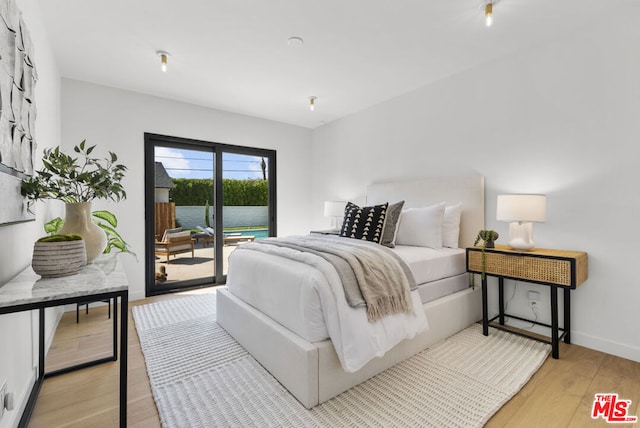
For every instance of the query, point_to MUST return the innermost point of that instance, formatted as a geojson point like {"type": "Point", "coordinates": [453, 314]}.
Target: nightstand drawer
{"type": "Point", "coordinates": [564, 268]}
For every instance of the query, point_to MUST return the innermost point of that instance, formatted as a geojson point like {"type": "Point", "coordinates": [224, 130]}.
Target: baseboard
{"type": "Point", "coordinates": [607, 346]}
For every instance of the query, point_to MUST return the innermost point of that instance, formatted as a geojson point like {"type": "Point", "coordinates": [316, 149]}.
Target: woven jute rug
{"type": "Point", "coordinates": [201, 377]}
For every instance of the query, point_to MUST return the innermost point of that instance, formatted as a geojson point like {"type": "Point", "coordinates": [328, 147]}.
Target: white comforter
{"type": "Point", "coordinates": [355, 339]}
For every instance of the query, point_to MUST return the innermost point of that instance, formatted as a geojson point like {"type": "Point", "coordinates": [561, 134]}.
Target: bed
{"type": "Point", "coordinates": [263, 308]}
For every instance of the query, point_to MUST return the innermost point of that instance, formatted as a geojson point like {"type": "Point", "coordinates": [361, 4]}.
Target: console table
{"type": "Point", "coordinates": [553, 268]}
{"type": "Point", "coordinates": [103, 279]}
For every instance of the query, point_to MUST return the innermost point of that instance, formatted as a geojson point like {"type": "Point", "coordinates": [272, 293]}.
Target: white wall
{"type": "Point", "coordinates": [18, 331]}
{"type": "Point", "coordinates": [161, 195]}
{"type": "Point", "coordinates": [560, 119]}
{"type": "Point", "coordinates": [116, 120]}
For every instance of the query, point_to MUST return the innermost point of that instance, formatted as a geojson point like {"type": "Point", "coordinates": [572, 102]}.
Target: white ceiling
{"type": "Point", "coordinates": [233, 54]}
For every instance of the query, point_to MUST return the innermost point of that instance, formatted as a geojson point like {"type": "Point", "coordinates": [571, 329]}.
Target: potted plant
{"type": "Point", "coordinates": [77, 181]}
{"type": "Point", "coordinates": [59, 255]}
{"type": "Point", "coordinates": [105, 220]}
{"type": "Point", "coordinates": [488, 238]}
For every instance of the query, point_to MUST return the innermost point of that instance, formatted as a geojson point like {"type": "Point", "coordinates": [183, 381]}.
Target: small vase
{"type": "Point", "coordinates": [78, 220]}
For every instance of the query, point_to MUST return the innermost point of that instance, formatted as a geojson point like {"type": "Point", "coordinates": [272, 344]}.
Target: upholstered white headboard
{"type": "Point", "coordinates": [424, 192]}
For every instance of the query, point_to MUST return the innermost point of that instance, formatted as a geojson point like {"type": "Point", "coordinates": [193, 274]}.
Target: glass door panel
{"type": "Point", "coordinates": [183, 216]}
{"type": "Point", "coordinates": [245, 195]}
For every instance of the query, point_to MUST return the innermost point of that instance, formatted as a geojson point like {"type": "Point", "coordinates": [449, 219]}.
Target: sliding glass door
{"type": "Point", "coordinates": [245, 208]}
{"type": "Point", "coordinates": [202, 200]}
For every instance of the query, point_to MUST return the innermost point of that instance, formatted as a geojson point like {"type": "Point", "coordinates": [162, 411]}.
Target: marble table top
{"type": "Point", "coordinates": [104, 275]}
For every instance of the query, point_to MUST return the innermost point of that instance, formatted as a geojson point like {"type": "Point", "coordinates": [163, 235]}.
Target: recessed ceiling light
{"type": "Point", "coordinates": [487, 8]}
{"type": "Point", "coordinates": [163, 59]}
{"type": "Point", "coordinates": [488, 13]}
{"type": "Point", "coordinates": [295, 41]}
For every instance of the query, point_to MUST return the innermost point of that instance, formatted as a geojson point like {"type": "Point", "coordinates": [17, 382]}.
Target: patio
{"type": "Point", "coordinates": [183, 266]}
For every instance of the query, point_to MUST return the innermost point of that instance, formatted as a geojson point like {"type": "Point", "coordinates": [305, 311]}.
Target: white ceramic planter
{"type": "Point", "coordinates": [78, 220]}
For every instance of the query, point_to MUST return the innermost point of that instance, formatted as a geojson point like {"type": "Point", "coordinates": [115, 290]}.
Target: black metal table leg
{"type": "Point", "coordinates": [124, 325]}
{"type": "Point", "coordinates": [115, 327]}
{"type": "Point", "coordinates": [567, 315]}
{"type": "Point", "coordinates": [501, 299]}
{"type": "Point", "coordinates": [41, 350]}
{"type": "Point", "coordinates": [555, 352]}
{"type": "Point", "coordinates": [485, 310]}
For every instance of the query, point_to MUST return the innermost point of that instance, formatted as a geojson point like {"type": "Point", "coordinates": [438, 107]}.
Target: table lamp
{"type": "Point", "coordinates": [334, 209]}
{"type": "Point", "coordinates": [521, 210]}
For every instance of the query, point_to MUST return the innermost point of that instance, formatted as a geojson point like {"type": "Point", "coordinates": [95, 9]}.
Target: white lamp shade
{"type": "Point", "coordinates": [522, 208]}
{"type": "Point", "coordinates": [334, 208]}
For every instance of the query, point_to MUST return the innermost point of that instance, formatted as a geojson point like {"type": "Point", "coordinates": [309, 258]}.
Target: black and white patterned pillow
{"type": "Point", "coordinates": [391, 224]}
{"type": "Point", "coordinates": [365, 223]}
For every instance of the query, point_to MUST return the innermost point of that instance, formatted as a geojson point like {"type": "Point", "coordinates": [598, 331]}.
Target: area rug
{"type": "Point", "coordinates": [201, 377]}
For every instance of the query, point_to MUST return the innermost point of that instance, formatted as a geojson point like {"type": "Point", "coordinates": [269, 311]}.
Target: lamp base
{"type": "Point", "coordinates": [521, 236]}
{"type": "Point", "coordinates": [336, 223]}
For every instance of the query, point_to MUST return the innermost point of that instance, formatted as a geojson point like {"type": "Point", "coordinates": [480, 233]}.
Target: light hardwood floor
{"type": "Point", "coordinates": [560, 394]}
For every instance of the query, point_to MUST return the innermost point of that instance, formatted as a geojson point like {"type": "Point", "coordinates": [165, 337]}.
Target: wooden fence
{"type": "Point", "coordinates": [165, 217]}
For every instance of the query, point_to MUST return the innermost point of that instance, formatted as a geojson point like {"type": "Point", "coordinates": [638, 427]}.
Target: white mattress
{"type": "Point", "coordinates": [286, 290]}
{"type": "Point", "coordinates": [428, 264]}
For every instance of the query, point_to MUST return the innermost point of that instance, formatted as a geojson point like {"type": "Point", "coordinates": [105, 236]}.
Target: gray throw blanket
{"type": "Point", "coordinates": [372, 275]}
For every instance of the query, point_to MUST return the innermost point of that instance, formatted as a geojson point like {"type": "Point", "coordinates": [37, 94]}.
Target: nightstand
{"type": "Point", "coordinates": [327, 232]}
{"type": "Point", "coordinates": [566, 270]}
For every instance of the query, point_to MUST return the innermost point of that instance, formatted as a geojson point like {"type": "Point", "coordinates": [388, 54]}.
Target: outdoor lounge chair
{"type": "Point", "coordinates": [206, 234]}
{"type": "Point", "coordinates": [236, 238]}
{"type": "Point", "coordinates": [174, 242]}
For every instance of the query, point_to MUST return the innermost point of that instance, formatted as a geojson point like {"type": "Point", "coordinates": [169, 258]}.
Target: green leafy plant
{"type": "Point", "coordinates": [488, 238]}
{"type": "Point", "coordinates": [76, 179]}
{"type": "Point", "coordinates": [196, 191]}
{"type": "Point", "coordinates": [52, 227]}
{"type": "Point", "coordinates": [107, 221]}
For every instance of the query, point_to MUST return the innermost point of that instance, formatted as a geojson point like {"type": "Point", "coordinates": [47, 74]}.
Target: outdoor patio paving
{"type": "Point", "coordinates": [183, 266]}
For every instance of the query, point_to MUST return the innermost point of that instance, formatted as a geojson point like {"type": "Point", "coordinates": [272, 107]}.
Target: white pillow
{"type": "Point", "coordinates": [421, 227]}
{"type": "Point", "coordinates": [451, 225]}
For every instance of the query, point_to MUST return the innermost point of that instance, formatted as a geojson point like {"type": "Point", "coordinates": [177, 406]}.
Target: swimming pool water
{"type": "Point", "coordinates": [258, 233]}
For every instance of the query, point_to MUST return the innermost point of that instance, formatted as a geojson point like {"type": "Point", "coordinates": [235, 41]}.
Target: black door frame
{"type": "Point", "coordinates": [150, 142]}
